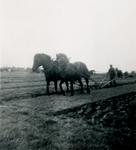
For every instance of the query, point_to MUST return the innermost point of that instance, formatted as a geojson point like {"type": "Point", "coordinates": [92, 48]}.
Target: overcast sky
{"type": "Point", "coordinates": [97, 32]}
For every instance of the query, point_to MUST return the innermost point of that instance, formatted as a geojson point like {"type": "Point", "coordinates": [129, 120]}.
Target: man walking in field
{"type": "Point", "coordinates": [112, 75]}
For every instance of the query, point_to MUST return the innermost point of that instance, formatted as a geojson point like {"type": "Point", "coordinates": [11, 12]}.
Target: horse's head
{"type": "Point", "coordinates": [61, 56]}
{"type": "Point", "coordinates": [62, 60]}
{"type": "Point", "coordinates": [41, 60]}
{"type": "Point", "coordinates": [36, 63]}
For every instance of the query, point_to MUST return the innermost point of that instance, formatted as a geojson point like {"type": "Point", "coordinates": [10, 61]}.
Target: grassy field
{"type": "Point", "coordinates": [31, 120]}
{"type": "Point", "coordinates": [25, 84]}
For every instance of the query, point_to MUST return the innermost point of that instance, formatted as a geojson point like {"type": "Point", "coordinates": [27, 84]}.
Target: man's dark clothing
{"type": "Point", "coordinates": [112, 75]}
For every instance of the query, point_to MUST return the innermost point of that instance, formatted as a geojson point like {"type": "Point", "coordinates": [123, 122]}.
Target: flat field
{"type": "Point", "coordinates": [31, 120]}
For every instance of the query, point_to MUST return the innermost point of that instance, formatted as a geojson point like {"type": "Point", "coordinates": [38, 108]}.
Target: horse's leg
{"type": "Point", "coordinates": [67, 85]}
{"type": "Point", "coordinates": [71, 87]}
{"type": "Point", "coordinates": [60, 85]}
{"type": "Point", "coordinates": [81, 84]}
{"type": "Point", "coordinates": [87, 83]}
{"type": "Point", "coordinates": [48, 83]}
{"type": "Point", "coordinates": [55, 84]}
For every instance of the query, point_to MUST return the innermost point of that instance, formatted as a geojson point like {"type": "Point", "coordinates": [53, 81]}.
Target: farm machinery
{"type": "Point", "coordinates": [94, 84]}
{"type": "Point", "coordinates": [98, 85]}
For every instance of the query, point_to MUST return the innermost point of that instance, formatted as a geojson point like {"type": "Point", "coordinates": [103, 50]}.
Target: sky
{"type": "Point", "coordinates": [96, 32]}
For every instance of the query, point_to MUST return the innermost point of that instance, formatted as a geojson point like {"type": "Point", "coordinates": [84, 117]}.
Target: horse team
{"type": "Point", "coordinates": [62, 70]}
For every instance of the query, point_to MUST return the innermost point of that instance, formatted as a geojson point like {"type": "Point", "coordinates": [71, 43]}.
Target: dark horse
{"type": "Point", "coordinates": [50, 69]}
{"type": "Point", "coordinates": [72, 72]}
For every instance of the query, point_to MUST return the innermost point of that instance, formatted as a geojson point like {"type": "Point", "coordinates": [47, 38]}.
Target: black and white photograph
{"type": "Point", "coordinates": [67, 75]}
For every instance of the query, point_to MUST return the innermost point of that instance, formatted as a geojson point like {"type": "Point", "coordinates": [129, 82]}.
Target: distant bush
{"type": "Point", "coordinates": [133, 73]}
{"type": "Point", "coordinates": [130, 75]}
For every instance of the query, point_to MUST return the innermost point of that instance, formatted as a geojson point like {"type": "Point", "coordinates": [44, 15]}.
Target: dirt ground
{"type": "Point", "coordinates": [30, 121]}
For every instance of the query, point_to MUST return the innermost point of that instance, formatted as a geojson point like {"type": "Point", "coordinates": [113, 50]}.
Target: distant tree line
{"type": "Point", "coordinates": [126, 74]}
{"type": "Point", "coordinates": [14, 69]}
{"type": "Point", "coordinates": [120, 73]}
{"type": "Point", "coordinates": [129, 74]}
{"type": "Point", "coordinates": [18, 69]}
